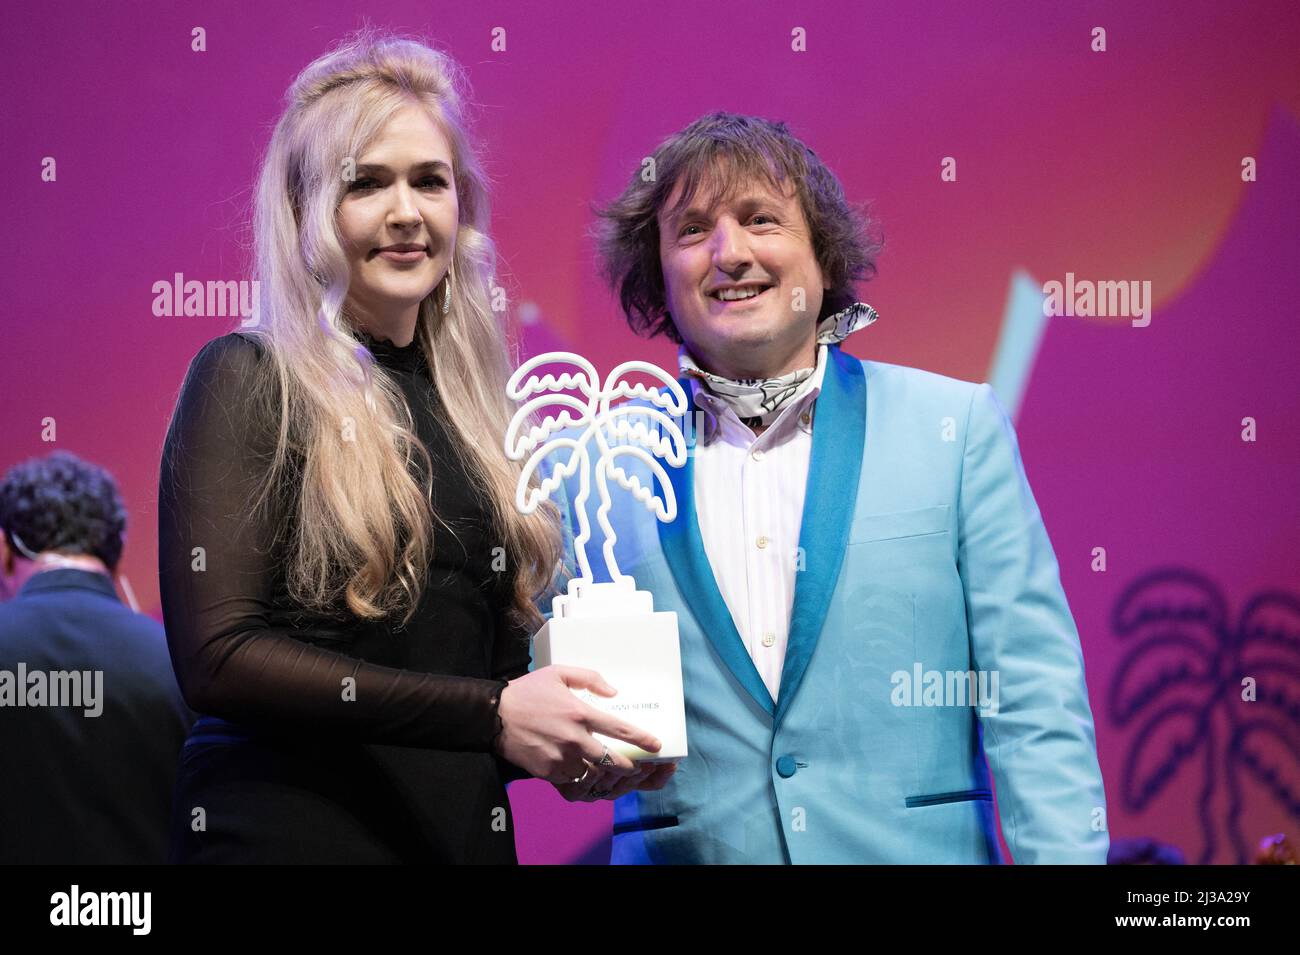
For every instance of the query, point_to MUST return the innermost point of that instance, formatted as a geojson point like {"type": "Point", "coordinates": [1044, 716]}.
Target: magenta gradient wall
{"type": "Point", "coordinates": [1123, 164]}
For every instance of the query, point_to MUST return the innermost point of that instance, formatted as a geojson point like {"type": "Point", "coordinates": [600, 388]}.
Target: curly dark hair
{"type": "Point", "coordinates": [62, 503]}
{"type": "Point", "coordinates": [717, 153]}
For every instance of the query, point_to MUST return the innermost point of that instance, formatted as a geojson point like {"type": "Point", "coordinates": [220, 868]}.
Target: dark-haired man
{"type": "Point", "coordinates": [91, 718]}
{"type": "Point", "coordinates": [868, 602]}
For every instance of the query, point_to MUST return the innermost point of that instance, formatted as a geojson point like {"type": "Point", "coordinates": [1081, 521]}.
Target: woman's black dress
{"type": "Point", "coordinates": [327, 739]}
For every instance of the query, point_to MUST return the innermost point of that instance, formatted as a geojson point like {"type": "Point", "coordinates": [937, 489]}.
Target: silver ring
{"type": "Point", "coordinates": [605, 759]}
{"type": "Point", "coordinates": [585, 774]}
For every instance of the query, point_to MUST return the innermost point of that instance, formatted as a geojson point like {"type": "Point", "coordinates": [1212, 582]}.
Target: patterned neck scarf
{"type": "Point", "coordinates": [757, 401]}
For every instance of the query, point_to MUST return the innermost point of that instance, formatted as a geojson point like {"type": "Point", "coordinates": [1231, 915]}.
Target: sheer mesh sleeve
{"type": "Point", "coordinates": [511, 658]}
{"type": "Point", "coordinates": [216, 572]}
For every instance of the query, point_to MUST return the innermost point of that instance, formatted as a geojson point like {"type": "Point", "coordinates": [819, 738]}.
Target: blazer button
{"type": "Point", "coordinates": [785, 767]}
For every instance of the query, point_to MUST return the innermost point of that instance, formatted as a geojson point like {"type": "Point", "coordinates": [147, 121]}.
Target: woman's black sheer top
{"type": "Point", "coordinates": [245, 653]}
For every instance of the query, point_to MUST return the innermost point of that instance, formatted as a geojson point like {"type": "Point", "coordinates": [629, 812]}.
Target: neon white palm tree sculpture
{"type": "Point", "coordinates": [604, 425]}
{"type": "Point", "coordinates": [608, 627]}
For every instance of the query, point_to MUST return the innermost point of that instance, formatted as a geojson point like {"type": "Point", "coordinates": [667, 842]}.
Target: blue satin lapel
{"type": "Point", "coordinates": [683, 549]}
{"type": "Point", "coordinates": [839, 432]}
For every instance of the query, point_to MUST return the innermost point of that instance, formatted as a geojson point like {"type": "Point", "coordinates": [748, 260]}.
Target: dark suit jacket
{"type": "Point", "coordinates": [75, 788]}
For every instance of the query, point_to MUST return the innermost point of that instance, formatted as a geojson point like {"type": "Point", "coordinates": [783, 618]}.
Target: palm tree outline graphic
{"type": "Point", "coordinates": [1187, 687]}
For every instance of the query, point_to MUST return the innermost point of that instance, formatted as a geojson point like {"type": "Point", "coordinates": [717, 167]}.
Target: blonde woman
{"type": "Point", "coordinates": [347, 589]}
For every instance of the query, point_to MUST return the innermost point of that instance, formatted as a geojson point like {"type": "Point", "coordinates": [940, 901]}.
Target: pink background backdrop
{"type": "Point", "coordinates": [1117, 165]}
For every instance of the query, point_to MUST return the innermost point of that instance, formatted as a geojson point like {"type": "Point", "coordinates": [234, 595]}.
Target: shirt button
{"type": "Point", "coordinates": [769, 638]}
{"type": "Point", "coordinates": [757, 454]}
{"type": "Point", "coordinates": [805, 418]}
{"type": "Point", "coordinates": [785, 767]}
{"type": "Point", "coordinates": [761, 542]}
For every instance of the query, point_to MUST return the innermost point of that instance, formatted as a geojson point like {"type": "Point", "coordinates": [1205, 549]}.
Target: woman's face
{"type": "Point", "coordinates": [398, 220]}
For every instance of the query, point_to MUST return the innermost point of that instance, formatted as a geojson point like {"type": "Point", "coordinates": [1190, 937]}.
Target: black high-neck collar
{"type": "Point", "coordinates": [399, 357]}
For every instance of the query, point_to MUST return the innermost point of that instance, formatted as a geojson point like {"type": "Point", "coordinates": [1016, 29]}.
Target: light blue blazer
{"type": "Point", "coordinates": [923, 550]}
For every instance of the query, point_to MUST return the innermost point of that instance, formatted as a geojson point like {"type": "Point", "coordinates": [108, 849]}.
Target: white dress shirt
{"type": "Point", "coordinates": [749, 497]}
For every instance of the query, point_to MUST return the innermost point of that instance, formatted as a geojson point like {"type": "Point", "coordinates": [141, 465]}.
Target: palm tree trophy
{"type": "Point", "coordinates": [610, 627]}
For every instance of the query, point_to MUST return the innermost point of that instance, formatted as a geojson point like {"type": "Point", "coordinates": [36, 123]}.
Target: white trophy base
{"type": "Point", "coordinates": [613, 629]}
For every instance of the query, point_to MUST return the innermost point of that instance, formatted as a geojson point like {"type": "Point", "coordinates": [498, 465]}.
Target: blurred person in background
{"type": "Point", "coordinates": [91, 719]}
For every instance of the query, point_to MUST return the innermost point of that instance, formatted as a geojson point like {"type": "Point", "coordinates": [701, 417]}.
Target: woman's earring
{"type": "Point", "coordinates": [446, 292]}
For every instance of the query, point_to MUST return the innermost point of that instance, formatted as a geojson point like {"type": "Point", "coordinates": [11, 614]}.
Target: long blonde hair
{"type": "Point", "coordinates": [365, 527]}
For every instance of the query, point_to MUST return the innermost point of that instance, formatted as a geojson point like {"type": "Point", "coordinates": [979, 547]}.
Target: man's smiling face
{"type": "Point", "coordinates": [741, 280]}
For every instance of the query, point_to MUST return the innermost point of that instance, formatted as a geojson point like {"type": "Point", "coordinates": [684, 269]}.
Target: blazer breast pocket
{"type": "Point", "coordinates": [898, 524]}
